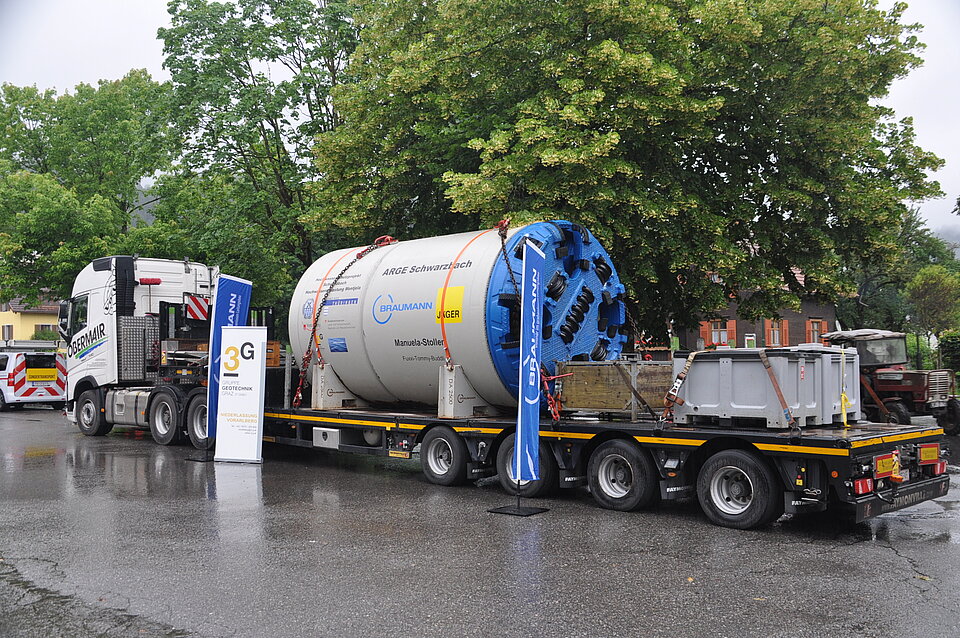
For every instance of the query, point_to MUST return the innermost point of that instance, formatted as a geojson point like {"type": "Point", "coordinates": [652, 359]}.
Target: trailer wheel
{"type": "Point", "coordinates": [197, 423]}
{"type": "Point", "coordinates": [737, 489]}
{"type": "Point", "coordinates": [164, 420]}
{"type": "Point", "coordinates": [622, 476]}
{"type": "Point", "coordinates": [898, 413]}
{"type": "Point", "coordinates": [549, 480]}
{"type": "Point", "coordinates": [443, 456]}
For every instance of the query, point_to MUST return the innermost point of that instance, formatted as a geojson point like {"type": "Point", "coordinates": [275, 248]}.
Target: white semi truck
{"type": "Point", "coordinates": [131, 362]}
{"type": "Point", "coordinates": [117, 372]}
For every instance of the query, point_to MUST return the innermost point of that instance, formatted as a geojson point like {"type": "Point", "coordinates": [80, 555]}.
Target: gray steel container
{"type": "Point", "coordinates": [730, 387]}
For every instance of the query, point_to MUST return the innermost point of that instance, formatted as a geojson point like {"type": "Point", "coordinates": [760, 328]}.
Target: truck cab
{"type": "Point", "coordinates": [111, 327]}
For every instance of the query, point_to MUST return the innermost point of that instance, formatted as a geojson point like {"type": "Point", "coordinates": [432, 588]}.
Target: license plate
{"type": "Point", "coordinates": [937, 404]}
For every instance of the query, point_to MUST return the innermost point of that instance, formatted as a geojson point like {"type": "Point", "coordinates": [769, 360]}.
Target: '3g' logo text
{"type": "Point", "coordinates": [232, 355]}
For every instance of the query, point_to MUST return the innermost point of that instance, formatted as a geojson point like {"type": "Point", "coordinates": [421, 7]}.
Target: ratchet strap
{"type": "Point", "coordinates": [776, 387]}
{"type": "Point", "coordinates": [443, 296]}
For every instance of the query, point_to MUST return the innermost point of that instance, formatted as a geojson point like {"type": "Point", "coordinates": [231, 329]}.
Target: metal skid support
{"type": "Point", "coordinates": [458, 399]}
{"type": "Point", "coordinates": [329, 393]}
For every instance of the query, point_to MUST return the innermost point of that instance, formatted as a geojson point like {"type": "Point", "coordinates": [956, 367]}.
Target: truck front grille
{"type": "Point", "coordinates": [938, 388]}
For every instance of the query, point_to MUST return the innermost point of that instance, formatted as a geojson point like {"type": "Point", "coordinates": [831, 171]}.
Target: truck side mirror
{"type": "Point", "coordinates": [63, 320]}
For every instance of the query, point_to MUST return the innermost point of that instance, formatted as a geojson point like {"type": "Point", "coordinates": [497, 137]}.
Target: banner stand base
{"type": "Point", "coordinates": [206, 458]}
{"type": "Point", "coordinates": [518, 510]}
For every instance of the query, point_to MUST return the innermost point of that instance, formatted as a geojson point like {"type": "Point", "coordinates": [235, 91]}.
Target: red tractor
{"type": "Point", "coordinates": [893, 393]}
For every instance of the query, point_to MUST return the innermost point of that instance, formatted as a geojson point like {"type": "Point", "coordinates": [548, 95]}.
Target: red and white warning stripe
{"type": "Point", "coordinates": [197, 307]}
{"type": "Point", "coordinates": [22, 389]}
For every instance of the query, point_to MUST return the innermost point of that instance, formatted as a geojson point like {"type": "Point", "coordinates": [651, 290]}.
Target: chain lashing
{"type": "Point", "coordinates": [315, 338]}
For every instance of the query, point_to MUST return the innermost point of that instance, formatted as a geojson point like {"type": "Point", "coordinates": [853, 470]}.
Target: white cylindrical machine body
{"type": "Point", "coordinates": [381, 328]}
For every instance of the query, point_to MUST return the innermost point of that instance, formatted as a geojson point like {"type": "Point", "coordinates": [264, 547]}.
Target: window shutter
{"type": "Point", "coordinates": [705, 332]}
{"type": "Point", "coordinates": [732, 333]}
{"type": "Point", "coordinates": [784, 333]}
{"type": "Point", "coordinates": [766, 332]}
{"type": "Point", "coordinates": [809, 331]}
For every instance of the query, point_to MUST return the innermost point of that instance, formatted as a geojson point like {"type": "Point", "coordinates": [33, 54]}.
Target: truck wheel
{"type": "Point", "coordinates": [443, 456]}
{"type": "Point", "coordinates": [197, 424]}
{"type": "Point", "coordinates": [898, 413]}
{"type": "Point", "coordinates": [737, 489]}
{"type": "Point", "coordinates": [622, 476]}
{"type": "Point", "coordinates": [3, 403]}
{"type": "Point", "coordinates": [90, 417]}
{"type": "Point", "coordinates": [549, 480]}
{"type": "Point", "coordinates": [164, 420]}
{"type": "Point", "coordinates": [951, 420]}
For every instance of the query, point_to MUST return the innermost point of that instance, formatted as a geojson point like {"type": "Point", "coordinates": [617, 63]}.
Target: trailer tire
{"type": "Point", "coordinates": [549, 480]}
{"type": "Point", "coordinates": [622, 476]}
{"type": "Point", "coordinates": [898, 413]}
{"type": "Point", "coordinates": [164, 420]}
{"type": "Point", "coordinates": [197, 423]}
{"type": "Point", "coordinates": [443, 457]}
{"type": "Point", "coordinates": [738, 489]}
{"type": "Point", "coordinates": [89, 413]}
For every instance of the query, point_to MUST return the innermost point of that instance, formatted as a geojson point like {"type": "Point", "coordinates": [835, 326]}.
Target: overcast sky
{"type": "Point", "coordinates": [60, 43]}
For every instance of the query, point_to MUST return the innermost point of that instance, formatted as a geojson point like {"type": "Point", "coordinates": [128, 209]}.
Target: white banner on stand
{"type": "Point", "coordinates": [243, 359]}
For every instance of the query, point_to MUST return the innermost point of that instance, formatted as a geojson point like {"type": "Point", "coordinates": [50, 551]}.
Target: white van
{"type": "Point", "coordinates": [30, 375]}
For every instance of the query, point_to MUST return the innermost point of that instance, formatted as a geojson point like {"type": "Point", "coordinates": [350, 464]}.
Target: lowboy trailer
{"type": "Point", "coordinates": [743, 478]}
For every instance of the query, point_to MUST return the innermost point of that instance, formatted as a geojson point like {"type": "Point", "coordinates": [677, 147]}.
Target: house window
{"type": "Point", "coordinates": [718, 331]}
{"type": "Point", "coordinates": [776, 333]}
{"type": "Point", "coordinates": [815, 328]}
{"type": "Point", "coordinates": [7, 332]}
{"type": "Point", "coordinates": [44, 327]}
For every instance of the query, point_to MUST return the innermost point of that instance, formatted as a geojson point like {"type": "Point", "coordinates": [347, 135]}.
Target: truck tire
{"type": "Point", "coordinates": [443, 457]}
{"type": "Point", "coordinates": [951, 419]}
{"type": "Point", "coordinates": [898, 413]}
{"type": "Point", "coordinates": [738, 489]}
{"type": "Point", "coordinates": [197, 423]}
{"type": "Point", "coordinates": [164, 420]}
{"type": "Point", "coordinates": [549, 480]}
{"type": "Point", "coordinates": [89, 412]}
{"type": "Point", "coordinates": [622, 476]}
{"type": "Point", "coordinates": [3, 403]}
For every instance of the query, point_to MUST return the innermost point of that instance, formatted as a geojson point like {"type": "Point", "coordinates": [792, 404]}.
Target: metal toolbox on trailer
{"type": "Point", "coordinates": [731, 387]}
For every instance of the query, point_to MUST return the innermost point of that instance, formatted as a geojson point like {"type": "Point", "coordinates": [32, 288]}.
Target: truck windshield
{"type": "Point", "coordinates": [882, 351]}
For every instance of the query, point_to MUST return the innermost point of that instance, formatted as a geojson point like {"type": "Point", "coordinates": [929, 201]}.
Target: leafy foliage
{"type": "Point", "coordinates": [47, 234]}
{"type": "Point", "coordinates": [71, 168]}
{"type": "Point", "coordinates": [934, 296]}
{"type": "Point", "coordinates": [693, 137]}
{"type": "Point", "coordinates": [880, 299]}
{"type": "Point", "coordinates": [251, 88]}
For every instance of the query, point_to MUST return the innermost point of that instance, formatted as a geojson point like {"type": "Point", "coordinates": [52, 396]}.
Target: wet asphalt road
{"type": "Point", "coordinates": [117, 536]}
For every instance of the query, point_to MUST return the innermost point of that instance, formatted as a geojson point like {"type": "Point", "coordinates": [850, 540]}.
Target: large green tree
{"type": "Point", "coordinates": [251, 82]}
{"type": "Point", "coordinates": [102, 140]}
{"type": "Point", "coordinates": [694, 137]}
{"type": "Point", "coordinates": [47, 234]}
{"type": "Point", "coordinates": [879, 299]}
{"type": "Point", "coordinates": [72, 176]}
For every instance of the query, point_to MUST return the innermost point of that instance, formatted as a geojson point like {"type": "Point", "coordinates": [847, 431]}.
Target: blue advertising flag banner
{"type": "Point", "coordinates": [231, 307]}
{"type": "Point", "coordinates": [526, 460]}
